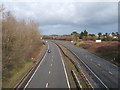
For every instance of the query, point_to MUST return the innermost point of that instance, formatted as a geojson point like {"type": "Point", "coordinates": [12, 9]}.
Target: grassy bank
{"type": "Point", "coordinates": [17, 75]}
{"type": "Point", "coordinates": [107, 49]}
{"type": "Point", "coordinates": [70, 66]}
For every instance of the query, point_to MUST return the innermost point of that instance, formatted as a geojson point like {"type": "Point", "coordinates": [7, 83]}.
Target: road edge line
{"type": "Point", "coordinates": [36, 69]}
{"type": "Point", "coordinates": [64, 68]}
{"type": "Point", "coordinates": [91, 70]}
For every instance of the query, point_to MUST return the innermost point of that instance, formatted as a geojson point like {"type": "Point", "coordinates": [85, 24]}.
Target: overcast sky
{"type": "Point", "coordinates": [66, 17]}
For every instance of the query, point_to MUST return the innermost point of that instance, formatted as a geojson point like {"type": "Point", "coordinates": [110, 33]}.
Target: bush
{"type": "Point", "coordinates": [112, 52]}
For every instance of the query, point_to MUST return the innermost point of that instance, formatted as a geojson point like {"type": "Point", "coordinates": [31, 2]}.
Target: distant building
{"type": "Point", "coordinates": [115, 37]}
{"type": "Point", "coordinates": [98, 41]}
{"type": "Point", "coordinates": [72, 41]}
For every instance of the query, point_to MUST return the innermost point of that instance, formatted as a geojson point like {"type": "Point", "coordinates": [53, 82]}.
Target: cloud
{"type": "Point", "coordinates": [60, 0]}
{"type": "Point", "coordinates": [65, 17]}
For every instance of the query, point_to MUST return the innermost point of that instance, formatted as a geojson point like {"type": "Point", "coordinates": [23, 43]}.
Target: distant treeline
{"type": "Point", "coordinates": [84, 35]}
{"type": "Point", "coordinates": [19, 39]}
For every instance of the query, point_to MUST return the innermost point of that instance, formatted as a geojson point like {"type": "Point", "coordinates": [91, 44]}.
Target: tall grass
{"type": "Point", "coordinates": [19, 39]}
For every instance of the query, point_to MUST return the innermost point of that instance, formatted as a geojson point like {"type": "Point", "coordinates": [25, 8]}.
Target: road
{"type": "Point", "coordinates": [51, 72]}
{"type": "Point", "coordinates": [104, 70]}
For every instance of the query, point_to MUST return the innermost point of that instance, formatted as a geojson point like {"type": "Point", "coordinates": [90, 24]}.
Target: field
{"type": "Point", "coordinates": [106, 49]}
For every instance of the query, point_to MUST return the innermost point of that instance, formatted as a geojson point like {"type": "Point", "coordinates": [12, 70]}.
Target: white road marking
{"type": "Point", "coordinates": [98, 64]}
{"type": "Point", "coordinates": [91, 71]}
{"type": "Point", "coordinates": [110, 72]}
{"type": "Point", "coordinates": [46, 85]}
{"type": "Point", "coordinates": [64, 68]}
{"type": "Point", "coordinates": [36, 69]}
{"type": "Point", "coordinates": [49, 72]}
{"type": "Point", "coordinates": [52, 56]}
{"type": "Point", "coordinates": [51, 65]}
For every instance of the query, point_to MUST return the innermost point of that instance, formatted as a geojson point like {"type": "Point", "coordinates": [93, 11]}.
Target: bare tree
{"type": "Point", "coordinates": [19, 39]}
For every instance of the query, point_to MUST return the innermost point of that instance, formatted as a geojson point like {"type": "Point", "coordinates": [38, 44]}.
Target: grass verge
{"type": "Point", "coordinates": [70, 66]}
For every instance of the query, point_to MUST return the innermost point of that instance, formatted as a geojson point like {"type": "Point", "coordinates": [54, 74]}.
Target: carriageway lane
{"type": "Point", "coordinates": [106, 71]}
{"type": "Point", "coordinates": [51, 72]}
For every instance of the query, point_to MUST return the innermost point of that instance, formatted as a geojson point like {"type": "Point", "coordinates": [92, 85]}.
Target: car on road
{"type": "Point", "coordinates": [49, 51]}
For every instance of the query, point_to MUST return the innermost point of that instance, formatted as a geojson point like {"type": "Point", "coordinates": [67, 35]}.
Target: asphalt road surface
{"type": "Point", "coordinates": [51, 72]}
{"type": "Point", "coordinates": [104, 70]}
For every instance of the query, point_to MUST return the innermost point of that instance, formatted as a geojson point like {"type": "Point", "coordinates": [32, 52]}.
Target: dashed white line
{"type": "Point", "coordinates": [98, 64]}
{"type": "Point", "coordinates": [110, 72]}
{"type": "Point", "coordinates": [46, 85]}
{"type": "Point", "coordinates": [51, 65]}
{"type": "Point", "coordinates": [49, 72]}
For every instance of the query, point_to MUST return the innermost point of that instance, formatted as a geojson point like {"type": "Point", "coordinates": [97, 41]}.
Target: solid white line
{"type": "Point", "coordinates": [91, 71]}
{"type": "Point", "coordinates": [46, 85]}
{"type": "Point", "coordinates": [36, 69]}
{"type": "Point", "coordinates": [64, 68]}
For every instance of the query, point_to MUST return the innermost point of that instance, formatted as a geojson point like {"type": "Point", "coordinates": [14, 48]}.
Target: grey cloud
{"type": "Point", "coordinates": [65, 17]}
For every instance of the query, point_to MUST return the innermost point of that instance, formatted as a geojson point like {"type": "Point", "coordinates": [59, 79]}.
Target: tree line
{"type": "Point", "coordinates": [19, 39]}
{"type": "Point", "coordinates": [84, 35]}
